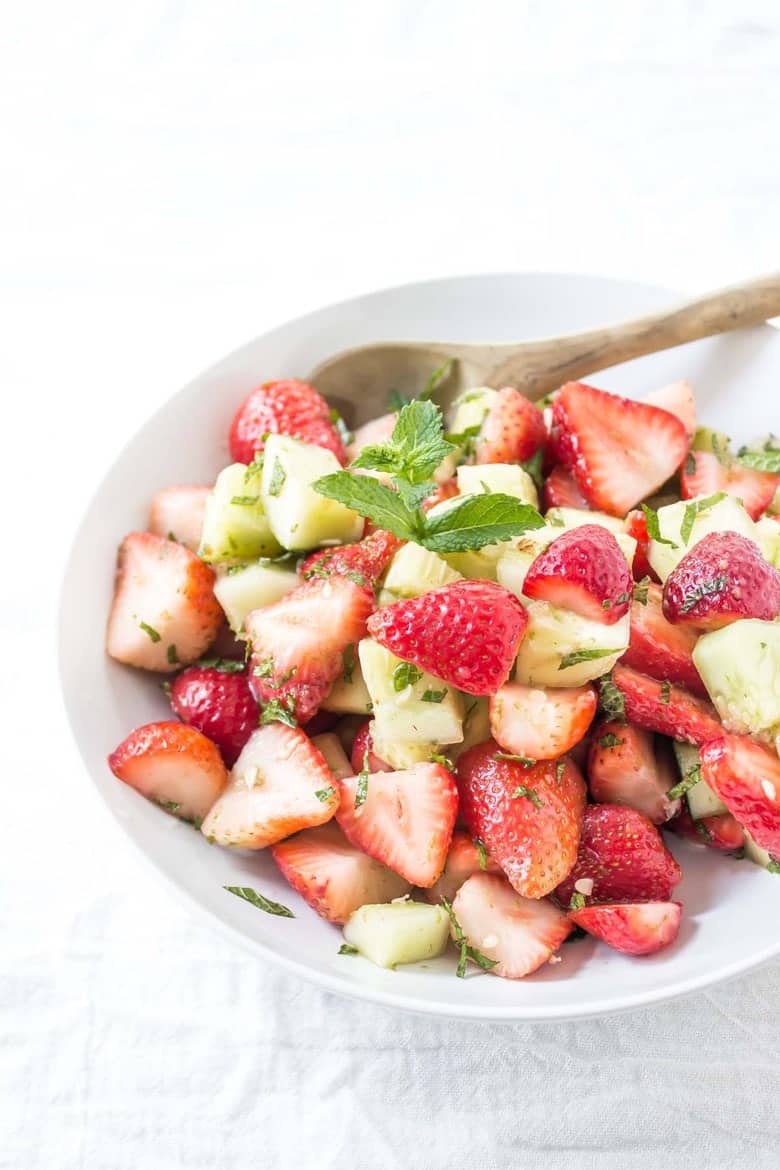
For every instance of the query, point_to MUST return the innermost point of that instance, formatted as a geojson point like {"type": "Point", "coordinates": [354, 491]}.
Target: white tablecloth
{"type": "Point", "coordinates": [173, 179]}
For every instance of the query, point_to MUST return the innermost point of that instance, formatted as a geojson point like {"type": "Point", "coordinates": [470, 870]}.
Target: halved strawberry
{"type": "Point", "coordinates": [177, 513]}
{"type": "Point", "coordinates": [363, 562]}
{"type": "Point", "coordinates": [678, 399]}
{"type": "Point", "coordinates": [723, 578]}
{"type": "Point", "coordinates": [619, 451]}
{"type": "Point", "coordinates": [636, 526]}
{"type": "Point", "coordinates": [720, 831]}
{"type": "Point", "coordinates": [332, 876]}
{"type": "Point", "coordinates": [164, 613]}
{"type": "Point", "coordinates": [528, 817]}
{"type": "Point", "coordinates": [466, 633]}
{"type": "Point", "coordinates": [512, 431]}
{"type": "Point", "coordinates": [371, 434]}
{"type": "Point", "coordinates": [464, 858]}
{"type": "Point", "coordinates": [746, 777]}
{"type": "Point", "coordinates": [561, 491]}
{"type": "Point", "coordinates": [705, 475]}
{"type": "Point", "coordinates": [584, 571]}
{"type": "Point", "coordinates": [639, 928]}
{"type": "Point", "coordinates": [279, 784]}
{"type": "Point", "coordinates": [219, 703]}
{"type": "Point", "coordinates": [172, 764]}
{"type": "Point", "coordinates": [363, 752]}
{"type": "Point", "coordinates": [286, 407]}
{"type": "Point", "coordinates": [657, 647]}
{"type": "Point", "coordinates": [666, 708]}
{"type": "Point", "coordinates": [298, 643]}
{"type": "Point", "coordinates": [403, 819]}
{"type": "Point", "coordinates": [518, 934]}
{"type": "Point", "coordinates": [626, 766]}
{"type": "Point", "coordinates": [623, 855]}
{"type": "Point", "coordinates": [541, 724]}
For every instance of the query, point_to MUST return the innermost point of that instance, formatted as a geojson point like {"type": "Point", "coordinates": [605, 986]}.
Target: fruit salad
{"type": "Point", "coordinates": [461, 671]}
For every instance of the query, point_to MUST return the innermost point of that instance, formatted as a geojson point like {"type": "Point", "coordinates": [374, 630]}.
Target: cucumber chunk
{"type": "Point", "coordinates": [568, 518]}
{"type": "Point", "coordinates": [414, 570]}
{"type": "Point", "coordinates": [409, 705]}
{"type": "Point", "coordinates": [476, 726]}
{"type": "Point", "coordinates": [555, 635]}
{"type": "Point", "coordinates": [768, 537]}
{"type": "Point", "coordinates": [235, 526]}
{"type": "Point", "coordinates": [702, 801]}
{"type": "Point", "coordinates": [349, 693]}
{"type": "Point", "coordinates": [497, 477]}
{"type": "Point", "coordinates": [241, 588]}
{"type": "Point", "coordinates": [706, 439]}
{"type": "Point", "coordinates": [740, 667]}
{"type": "Point", "coordinates": [470, 409]}
{"type": "Point", "coordinates": [755, 853]}
{"type": "Point", "coordinates": [398, 932]}
{"type": "Point", "coordinates": [301, 518]}
{"type": "Point", "coordinates": [727, 515]}
{"type": "Point", "coordinates": [400, 753]}
{"type": "Point", "coordinates": [334, 754]}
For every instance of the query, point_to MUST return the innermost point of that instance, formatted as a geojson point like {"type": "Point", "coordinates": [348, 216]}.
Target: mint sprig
{"type": "Point", "coordinates": [416, 447]}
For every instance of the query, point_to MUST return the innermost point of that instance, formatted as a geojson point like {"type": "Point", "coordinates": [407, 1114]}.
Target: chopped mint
{"type": "Point", "coordinates": [444, 761]}
{"type": "Point", "coordinates": [466, 952]}
{"type": "Point", "coordinates": [534, 468]}
{"type": "Point", "coordinates": [233, 569]}
{"type": "Point", "coordinates": [150, 631]}
{"type": "Point", "coordinates": [640, 590]}
{"type": "Point", "coordinates": [170, 806]}
{"type": "Point", "coordinates": [259, 900]}
{"type": "Point", "coordinates": [406, 674]}
{"type": "Point", "coordinates": [577, 901]}
{"type": "Point", "coordinates": [577, 656]}
{"type": "Point", "coordinates": [610, 740]}
{"type": "Point", "coordinates": [773, 865]}
{"type": "Point", "coordinates": [479, 845]}
{"type": "Point", "coordinates": [434, 696]}
{"type": "Point", "coordinates": [560, 768]}
{"type": "Point", "coordinates": [530, 793]}
{"type": "Point", "coordinates": [226, 665]}
{"type": "Point", "coordinates": [324, 794]}
{"type": "Point", "coordinates": [694, 509]}
{"type": "Point", "coordinates": [278, 711]}
{"type": "Point", "coordinates": [653, 527]}
{"type": "Point", "coordinates": [612, 704]}
{"type": "Point", "coordinates": [245, 501]}
{"type": "Point", "coordinates": [706, 589]}
{"type": "Point", "coordinates": [766, 460]}
{"type": "Point", "coordinates": [689, 779]}
{"type": "Point", "coordinates": [348, 660]}
{"type": "Point", "coordinates": [666, 693]}
{"type": "Point", "coordinates": [526, 761]}
{"type": "Point", "coordinates": [264, 669]}
{"type": "Point", "coordinates": [346, 949]}
{"type": "Point", "coordinates": [172, 656]}
{"type": "Point", "coordinates": [278, 476]}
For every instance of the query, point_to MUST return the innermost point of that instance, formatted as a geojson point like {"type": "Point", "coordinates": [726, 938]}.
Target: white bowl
{"type": "Point", "coordinates": [728, 923]}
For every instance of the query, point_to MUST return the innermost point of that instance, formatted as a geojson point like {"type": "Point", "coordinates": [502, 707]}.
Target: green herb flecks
{"type": "Point", "coordinates": [706, 589]}
{"type": "Point", "coordinates": [526, 761]}
{"type": "Point", "coordinates": [346, 949]}
{"type": "Point", "coordinates": [612, 703]}
{"type": "Point", "coordinates": [324, 794]}
{"type": "Point", "coordinates": [277, 480]}
{"type": "Point", "coordinates": [653, 527]}
{"type": "Point", "coordinates": [466, 951]}
{"type": "Point", "coordinates": [610, 740]}
{"type": "Point", "coordinates": [694, 509]}
{"type": "Point", "coordinates": [577, 656]}
{"type": "Point", "coordinates": [530, 794]}
{"type": "Point", "coordinates": [150, 631]}
{"type": "Point", "coordinates": [260, 901]}
{"type": "Point", "coordinates": [689, 779]}
{"type": "Point", "coordinates": [406, 674]}
{"type": "Point", "coordinates": [278, 711]}
{"type": "Point", "coordinates": [434, 696]}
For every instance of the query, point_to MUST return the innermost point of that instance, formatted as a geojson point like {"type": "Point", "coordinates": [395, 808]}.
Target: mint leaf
{"type": "Point", "coordinates": [324, 794]}
{"type": "Point", "coordinates": [653, 527]}
{"type": "Point", "coordinates": [695, 508]}
{"type": "Point", "coordinates": [610, 740]}
{"type": "Point", "coordinates": [768, 460]}
{"type": "Point", "coordinates": [479, 845]}
{"type": "Point", "coordinates": [640, 590]}
{"type": "Point", "coordinates": [278, 711]}
{"type": "Point", "coordinates": [369, 498]}
{"type": "Point", "coordinates": [526, 761]}
{"type": "Point", "coordinates": [150, 631]}
{"type": "Point", "coordinates": [434, 696]}
{"type": "Point", "coordinates": [416, 447]}
{"type": "Point", "coordinates": [226, 665]}
{"type": "Point", "coordinates": [172, 655]}
{"type": "Point", "coordinates": [706, 589]}
{"type": "Point", "coordinates": [278, 476]}
{"type": "Point", "coordinates": [466, 952]}
{"type": "Point", "coordinates": [688, 781]}
{"type": "Point", "coordinates": [534, 468]}
{"type": "Point", "coordinates": [530, 793]}
{"type": "Point", "coordinates": [476, 521]}
{"type": "Point", "coordinates": [406, 674]}
{"type": "Point", "coordinates": [577, 656]}
{"type": "Point", "coordinates": [612, 704]}
{"type": "Point", "coordinates": [259, 900]}
{"type": "Point", "coordinates": [346, 949]}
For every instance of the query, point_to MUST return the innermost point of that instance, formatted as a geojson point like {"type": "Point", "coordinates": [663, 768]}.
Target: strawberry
{"type": "Point", "coordinates": [518, 934]}
{"type": "Point", "coordinates": [638, 928]}
{"type": "Point", "coordinates": [286, 407]}
{"type": "Point", "coordinates": [279, 784]}
{"type": "Point", "coordinates": [177, 513]}
{"type": "Point", "coordinates": [298, 643]}
{"type": "Point", "coordinates": [364, 562]}
{"type": "Point", "coordinates": [164, 611]}
{"type": "Point", "coordinates": [512, 431]}
{"type": "Point", "coordinates": [321, 723]}
{"type": "Point", "coordinates": [746, 777]}
{"type": "Point", "coordinates": [363, 752]}
{"type": "Point", "coordinates": [371, 434]}
{"type": "Point", "coordinates": [466, 633]}
{"type": "Point", "coordinates": [464, 859]}
{"type": "Point", "coordinates": [666, 708]}
{"type": "Point", "coordinates": [720, 831]}
{"type": "Point", "coordinates": [332, 876]}
{"type": "Point", "coordinates": [584, 571]}
{"type": "Point", "coordinates": [540, 724]}
{"type": "Point", "coordinates": [723, 578]}
{"type": "Point", "coordinates": [403, 819]}
{"type": "Point", "coordinates": [618, 451]}
{"type": "Point", "coordinates": [560, 490]}
{"type": "Point", "coordinates": [528, 817]}
{"type": "Point", "coordinates": [446, 490]}
{"type": "Point", "coordinates": [705, 475]}
{"type": "Point", "coordinates": [626, 767]}
{"type": "Point", "coordinates": [172, 764]}
{"type": "Point", "coordinates": [678, 399]}
{"type": "Point", "coordinates": [658, 648]}
{"type": "Point", "coordinates": [623, 855]}
{"type": "Point", "coordinates": [219, 703]}
{"type": "Point", "coordinates": [636, 526]}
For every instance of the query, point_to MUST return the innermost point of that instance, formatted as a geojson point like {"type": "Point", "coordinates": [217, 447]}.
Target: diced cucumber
{"type": "Point", "coordinates": [727, 515]}
{"type": "Point", "coordinates": [705, 439]}
{"type": "Point", "coordinates": [409, 705]}
{"type": "Point", "coordinates": [349, 694]}
{"type": "Point", "coordinates": [557, 635]}
{"type": "Point", "coordinates": [768, 537]}
{"type": "Point", "coordinates": [335, 756]}
{"type": "Point", "coordinates": [414, 570]}
{"type": "Point", "coordinates": [398, 932]}
{"type": "Point", "coordinates": [497, 477]}
{"type": "Point", "coordinates": [702, 801]}
{"type": "Point", "coordinates": [740, 667]}
{"type": "Point", "coordinates": [476, 726]}
{"type": "Point", "coordinates": [568, 518]}
{"type": "Point", "coordinates": [755, 853]}
{"type": "Point", "coordinates": [235, 526]}
{"type": "Point", "coordinates": [401, 753]}
{"type": "Point", "coordinates": [514, 564]}
{"type": "Point", "coordinates": [300, 517]}
{"type": "Point", "coordinates": [470, 409]}
{"type": "Point", "coordinates": [241, 588]}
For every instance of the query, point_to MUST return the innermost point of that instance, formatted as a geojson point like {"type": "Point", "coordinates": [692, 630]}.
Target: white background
{"type": "Point", "coordinates": [175, 178]}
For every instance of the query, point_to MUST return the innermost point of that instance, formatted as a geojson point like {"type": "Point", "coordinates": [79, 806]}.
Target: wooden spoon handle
{"type": "Point", "coordinates": [545, 365]}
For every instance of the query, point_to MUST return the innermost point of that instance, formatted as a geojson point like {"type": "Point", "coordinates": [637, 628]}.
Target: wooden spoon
{"type": "Point", "coordinates": [358, 379]}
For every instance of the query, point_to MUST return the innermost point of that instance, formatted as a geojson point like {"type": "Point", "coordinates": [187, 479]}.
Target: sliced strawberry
{"type": "Point", "coordinates": [584, 571]}
{"type": "Point", "coordinates": [561, 491]}
{"type": "Point", "coordinates": [177, 513]}
{"type": "Point", "coordinates": [279, 784]}
{"type": "Point", "coordinates": [666, 708]}
{"type": "Point", "coordinates": [678, 399]}
{"type": "Point", "coordinates": [720, 831]}
{"type": "Point", "coordinates": [363, 754]}
{"type": "Point", "coordinates": [623, 855]}
{"type": "Point", "coordinates": [658, 648]}
{"type": "Point", "coordinates": [512, 431]}
{"type": "Point", "coordinates": [447, 490]}
{"type": "Point", "coordinates": [746, 777]}
{"type": "Point", "coordinates": [626, 767]}
{"type": "Point", "coordinates": [371, 434]}
{"type": "Point", "coordinates": [705, 475]}
{"type": "Point", "coordinates": [321, 723]}
{"type": "Point", "coordinates": [636, 526]}
{"type": "Point", "coordinates": [286, 407]}
{"type": "Point", "coordinates": [638, 928]}
{"type": "Point", "coordinates": [164, 613]}
{"type": "Point", "coordinates": [334, 877]}
{"type": "Point", "coordinates": [518, 934]}
{"type": "Point", "coordinates": [619, 451]}
{"type": "Point", "coordinates": [528, 817]}
{"type": "Point", "coordinates": [405, 821]}
{"type": "Point", "coordinates": [541, 724]}
{"type": "Point", "coordinates": [723, 578]}
{"type": "Point", "coordinates": [298, 643]}
{"type": "Point", "coordinates": [465, 858]}
{"type": "Point", "coordinates": [364, 562]}
{"type": "Point", "coordinates": [466, 633]}
{"type": "Point", "coordinates": [219, 703]}
{"type": "Point", "coordinates": [172, 764]}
